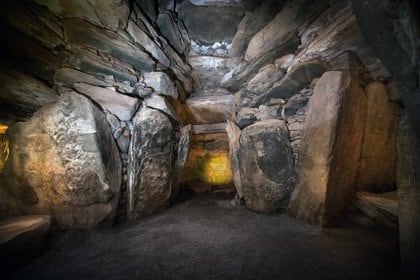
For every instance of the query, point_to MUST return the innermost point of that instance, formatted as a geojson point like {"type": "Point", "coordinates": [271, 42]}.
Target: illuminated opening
{"type": "Point", "coordinates": [210, 167]}
{"type": "Point", "coordinates": [4, 147]}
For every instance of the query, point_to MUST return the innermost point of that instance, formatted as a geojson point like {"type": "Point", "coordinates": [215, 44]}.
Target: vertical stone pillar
{"type": "Point", "coordinates": [330, 149]}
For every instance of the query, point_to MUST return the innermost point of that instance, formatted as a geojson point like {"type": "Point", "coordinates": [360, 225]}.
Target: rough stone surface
{"type": "Point", "coordinates": [69, 77]}
{"type": "Point", "coordinates": [120, 105]}
{"type": "Point", "coordinates": [266, 166]}
{"type": "Point", "coordinates": [330, 150]}
{"type": "Point", "coordinates": [181, 158]}
{"type": "Point", "coordinates": [379, 150]}
{"type": "Point", "coordinates": [210, 24]}
{"type": "Point", "coordinates": [160, 83]}
{"type": "Point", "coordinates": [150, 163]}
{"type": "Point", "coordinates": [294, 104]}
{"type": "Point", "coordinates": [408, 181]}
{"type": "Point", "coordinates": [252, 23]}
{"type": "Point", "coordinates": [97, 11]}
{"type": "Point", "coordinates": [65, 163]}
{"type": "Point", "coordinates": [81, 33]}
{"type": "Point", "coordinates": [269, 112]}
{"type": "Point", "coordinates": [21, 95]}
{"type": "Point", "coordinates": [160, 103]}
{"type": "Point", "coordinates": [299, 77]}
{"type": "Point", "coordinates": [264, 79]}
{"type": "Point", "coordinates": [246, 116]}
{"type": "Point", "coordinates": [234, 134]}
{"type": "Point", "coordinates": [380, 207]}
{"type": "Point", "coordinates": [170, 30]}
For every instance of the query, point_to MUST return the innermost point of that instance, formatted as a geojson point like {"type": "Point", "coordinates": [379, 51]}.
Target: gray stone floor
{"type": "Point", "coordinates": [204, 237]}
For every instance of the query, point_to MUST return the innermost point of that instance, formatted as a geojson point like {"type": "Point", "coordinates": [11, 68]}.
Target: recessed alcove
{"type": "Point", "coordinates": [293, 124]}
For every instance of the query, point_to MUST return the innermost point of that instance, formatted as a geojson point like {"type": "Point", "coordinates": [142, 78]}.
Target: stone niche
{"type": "Point", "coordinates": [65, 163]}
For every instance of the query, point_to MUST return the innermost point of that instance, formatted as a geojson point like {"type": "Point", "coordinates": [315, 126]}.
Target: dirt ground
{"type": "Point", "coordinates": [205, 237]}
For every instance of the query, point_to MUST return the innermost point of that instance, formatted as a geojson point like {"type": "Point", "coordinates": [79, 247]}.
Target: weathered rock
{"type": "Point", "coordinates": [265, 79]}
{"type": "Point", "coordinates": [285, 61]}
{"type": "Point", "coordinates": [269, 112]}
{"type": "Point", "coordinates": [408, 181]}
{"type": "Point", "coordinates": [160, 103]}
{"type": "Point", "coordinates": [209, 128]}
{"type": "Point", "coordinates": [246, 116]}
{"type": "Point", "coordinates": [160, 83]}
{"type": "Point", "coordinates": [71, 168]}
{"type": "Point", "coordinates": [329, 150]}
{"type": "Point", "coordinates": [266, 166]}
{"type": "Point", "coordinates": [81, 33]}
{"type": "Point", "coordinates": [89, 62]}
{"type": "Point", "coordinates": [120, 105]}
{"type": "Point", "coordinates": [294, 103]}
{"type": "Point", "coordinates": [181, 158]}
{"type": "Point", "coordinates": [202, 108]}
{"type": "Point", "coordinates": [382, 207]}
{"type": "Point", "coordinates": [378, 156]}
{"type": "Point", "coordinates": [210, 24]}
{"type": "Point", "coordinates": [149, 7]}
{"type": "Point", "coordinates": [113, 121]}
{"type": "Point", "coordinates": [299, 76]}
{"type": "Point", "coordinates": [21, 95]}
{"type": "Point", "coordinates": [252, 23]}
{"type": "Point", "coordinates": [69, 77]}
{"type": "Point", "coordinates": [123, 141]}
{"type": "Point", "coordinates": [97, 11]}
{"type": "Point", "coordinates": [234, 134]}
{"type": "Point", "coordinates": [142, 38]}
{"type": "Point", "coordinates": [170, 30]}
{"type": "Point", "coordinates": [150, 163]}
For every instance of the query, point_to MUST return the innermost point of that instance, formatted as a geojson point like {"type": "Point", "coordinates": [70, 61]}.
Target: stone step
{"type": "Point", "coordinates": [382, 207]}
{"type": "Point", "coordinates": [209, 128]}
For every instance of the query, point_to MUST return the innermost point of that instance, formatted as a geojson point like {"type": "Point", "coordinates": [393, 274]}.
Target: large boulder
{"type": "Point", "coordinates": [234, 134]}
{"type": "Point", "coordinates": [329, 150]}
{"type": "Point", "coordinates": [379, 150]}
{"type": "Point", "coordinates": [150, 163]}
{"type": "Point", "coordinates": [266, 166]}
{"type": "Point", "coordinates": [64, 162]}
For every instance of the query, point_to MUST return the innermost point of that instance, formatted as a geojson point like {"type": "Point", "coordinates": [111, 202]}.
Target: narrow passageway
{"type": "Point", "coordinates": [205, 237]}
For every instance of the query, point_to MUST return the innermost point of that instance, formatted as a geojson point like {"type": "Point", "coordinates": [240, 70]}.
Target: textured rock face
{"type": "Point", "coordinates": [150, 163]}
{"type": "Point", "coordinates": [64, 162]}
{"type": "Point", "coordinates": [378, 156]}
{"type": "Point", "coordinates": [330, 150]}
{"type": "Point", "coordinates": [210, 24]}
{"type": "Point", "coordinates": [234, 134]}
{"type": "Point", "coordinates": [266, 166]}
{"type": "Point", "coordinates": [408, 180]}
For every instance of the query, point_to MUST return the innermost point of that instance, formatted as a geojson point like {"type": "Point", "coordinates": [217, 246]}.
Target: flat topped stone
{"type": "Point", "coordinates": [13, 227]}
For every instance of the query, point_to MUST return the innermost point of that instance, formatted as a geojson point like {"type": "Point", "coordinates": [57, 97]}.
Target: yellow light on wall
{"type": "Point", "coordinates": [4, 147]}
{"type": "Point", "coordinates": [211, 167]}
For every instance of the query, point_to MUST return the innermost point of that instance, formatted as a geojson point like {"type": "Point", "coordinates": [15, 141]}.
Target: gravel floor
{"type": "Point", "coordinates": [204, 237]}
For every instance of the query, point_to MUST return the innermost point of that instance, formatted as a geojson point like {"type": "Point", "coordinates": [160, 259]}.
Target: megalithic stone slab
{"type": "Point", "coordinates": [330, 150]}
{"type": "Point", "coordinates": [150, 163]}
{"type": "Point", "coordinates": [266, 166]}
{"type": "Point", "coordinates": [234, 134]}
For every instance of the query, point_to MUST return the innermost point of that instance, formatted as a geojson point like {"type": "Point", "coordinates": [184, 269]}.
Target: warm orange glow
{"type": "Point", "coordinates": [4, 151]}
{"type": "Point", "coordinates": [3, 129]}
{"type": "Point", "coordinates": [212, 167]}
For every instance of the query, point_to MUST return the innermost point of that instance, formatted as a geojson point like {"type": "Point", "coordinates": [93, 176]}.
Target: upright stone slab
{"type": "Point", "coordinates": [64, 162]}
{"type": "Point", "coordinates": [150, 162]}
{"type": "Point", "coordinates": [379, 149]}
{"type": "Point", "coordinates": [184, 146]}
{"type": "Point", "coordinates": [234, 134]}
{"type": "Point", "coordinates": [408, 180]}
{"type": "Point", "coordinates": [330, 150]}
{"type": "Point", "coordinates": [266, 166]}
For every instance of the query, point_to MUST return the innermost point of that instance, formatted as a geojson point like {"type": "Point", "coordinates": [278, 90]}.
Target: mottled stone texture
{"type": "Point", "coordinates": [408, 180]}
{"type": "Point", "coordinates": [266, 166]}
{"type": "Point", "coordinates": [234, 134]}
{"type": "Point", "coordinates": [65, 163]}
{"type": "Point", "coordinates": [379, 149]}
{"type": "Point", "coordinates": [330, 150]}
{"type": "Point", "coordinates": [151, 156]}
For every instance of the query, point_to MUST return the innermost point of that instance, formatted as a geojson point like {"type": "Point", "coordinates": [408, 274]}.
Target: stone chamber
{"type": "Point", "coordinates": [209, 139]}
